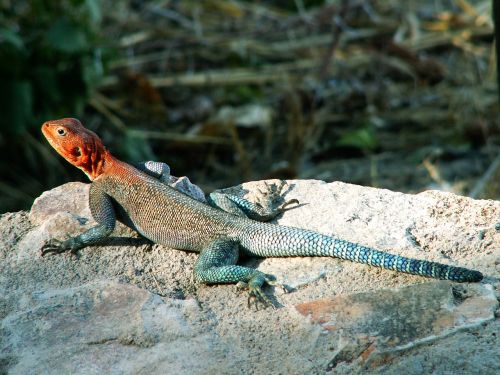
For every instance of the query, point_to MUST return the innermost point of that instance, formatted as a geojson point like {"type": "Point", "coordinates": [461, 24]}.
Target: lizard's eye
{"type": "Point", "coordinates": [61, 131]}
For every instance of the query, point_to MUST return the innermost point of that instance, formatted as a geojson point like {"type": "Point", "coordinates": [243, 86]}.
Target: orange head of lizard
{"type": "Point", "coordinates": [78, 145]}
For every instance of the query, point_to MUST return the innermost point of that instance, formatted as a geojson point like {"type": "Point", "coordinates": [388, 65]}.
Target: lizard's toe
{"type": "Point", "coordinates": [284, 207]}
{"type": "Point", "coordinates": [52, 246]}
{"type": "Point", "coordinates": [56, 247]}
{"type": "Point", "coordinates": [241, 285]}
{"type": "Point", "coordinates": [258, 296]}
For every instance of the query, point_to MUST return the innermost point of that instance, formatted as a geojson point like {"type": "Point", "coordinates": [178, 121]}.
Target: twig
{"type": "Point", "coordinates": [270, 73]}
{"type": "Point", "coordinates": [151, 134]}
{"type": "Point", "coordinates": [173, 16]}
{"type": "Point", "coordinates": [158, 284]}
{"type": "Point", "coordinates": [336, 32]}
{"type": "Point", "coordinates": [100, 107]}
{"type": "Point", "coordinates": [239, 148]}
{"type": "Point", "coordinates": [432, 40]}
{"type": "Point", "coordinates": [135, 38]}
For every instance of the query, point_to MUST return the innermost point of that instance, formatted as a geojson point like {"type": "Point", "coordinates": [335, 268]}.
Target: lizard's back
{"type": "Point", "coordinates": [160, 213]}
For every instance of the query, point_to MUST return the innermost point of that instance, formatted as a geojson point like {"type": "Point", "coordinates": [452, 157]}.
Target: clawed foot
{"type": "Point", "coordinates": [255, 293]}
{"type": "Point", "coordinates": [57, 247]}
{"type": "Point", "coordinates": [272, 195]}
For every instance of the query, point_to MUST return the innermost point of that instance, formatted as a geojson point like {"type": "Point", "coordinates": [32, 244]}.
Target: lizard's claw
{"type": "Point", "coordinates": [279, 191]}
{"type": "Point", "coordinates": [255, 292]}
{"type": "Point", "coordinates": [256, 295]}
{"type": "Point", "coordinates": [57, 247]}
{"type": "Point", "coordinates": [284, 207]}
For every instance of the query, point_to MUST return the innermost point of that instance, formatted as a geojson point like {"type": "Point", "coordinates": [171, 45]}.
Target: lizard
{"type": "Point", "coordinates": [219, 233]}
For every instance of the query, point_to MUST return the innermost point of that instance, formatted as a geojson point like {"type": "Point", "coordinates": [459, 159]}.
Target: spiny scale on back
{"type": "Point", "coordinates": [166, 216]}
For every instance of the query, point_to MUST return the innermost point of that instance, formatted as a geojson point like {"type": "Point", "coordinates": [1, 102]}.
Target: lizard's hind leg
{"type": "Point", "coordinates": [217, 265]}
{"type": "Point", "coordinates": [270, 204]}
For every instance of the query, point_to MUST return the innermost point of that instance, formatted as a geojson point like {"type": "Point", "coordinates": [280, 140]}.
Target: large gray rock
{"type": "Point", "coordinates": [130, 306]}
{"type": "Point", "coordinates": [374, 328]}
{"type": "Point", "coordinates": [81, 329]}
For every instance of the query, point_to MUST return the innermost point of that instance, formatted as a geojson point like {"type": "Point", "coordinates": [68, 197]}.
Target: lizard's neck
{"type": "Point", "coordinates": [95, 162]}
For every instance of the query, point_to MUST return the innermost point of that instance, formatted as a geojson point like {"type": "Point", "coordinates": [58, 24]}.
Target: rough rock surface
{"type": "Point", "coordinates": [130, 306]}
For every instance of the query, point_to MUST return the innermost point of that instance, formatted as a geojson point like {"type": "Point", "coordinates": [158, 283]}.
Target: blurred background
{"type": "Point", "coordinates": [392, 94]}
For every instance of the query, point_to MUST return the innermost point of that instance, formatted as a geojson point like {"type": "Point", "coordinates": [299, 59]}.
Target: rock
{"type": "Point", "coordinates": [129, 306]}
{"type": "Point", "coordinates": [56, 201]}
{"type": "Point", "coordinates": [60, 213]}
{"type": "Point", "coordinates": [372, 328]}
{"type": "Point", "coordinates": [79, 330]}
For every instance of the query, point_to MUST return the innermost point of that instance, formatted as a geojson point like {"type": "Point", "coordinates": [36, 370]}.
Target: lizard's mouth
{"type": "Point", "coordinates": [48, 134]}
{"type": "Point", "coordinates": [45, 129]}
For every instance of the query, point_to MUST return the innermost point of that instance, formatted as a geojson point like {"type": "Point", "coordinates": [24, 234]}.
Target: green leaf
{"type": "Point", "coordinates": [66, 37]}
{"type": "Point", "coordinates": [9, 36]}
{"type": "Point", "coordinates": [94, 9]}
{"type": "Point", "coordinates": [363, 139]}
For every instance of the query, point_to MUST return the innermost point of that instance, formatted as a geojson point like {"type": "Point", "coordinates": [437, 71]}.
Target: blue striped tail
{"type": "Point", "coordinates": [362, 254]}
{"type": "Point", "coordinates": [269, 240]}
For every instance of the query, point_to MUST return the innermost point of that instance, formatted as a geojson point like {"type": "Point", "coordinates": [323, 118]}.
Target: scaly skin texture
{"type": "Point", "coordinates": [169, 217]}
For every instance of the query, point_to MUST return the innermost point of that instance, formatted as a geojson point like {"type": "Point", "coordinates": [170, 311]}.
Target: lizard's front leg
{"type": "Point", "coordinates": [217, 265]}
{"type": "Point", "coordinates": [102, 211]}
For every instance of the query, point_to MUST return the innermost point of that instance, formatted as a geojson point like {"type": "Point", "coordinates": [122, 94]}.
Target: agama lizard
{"type": "Point", "coordinates": [140, 200]}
